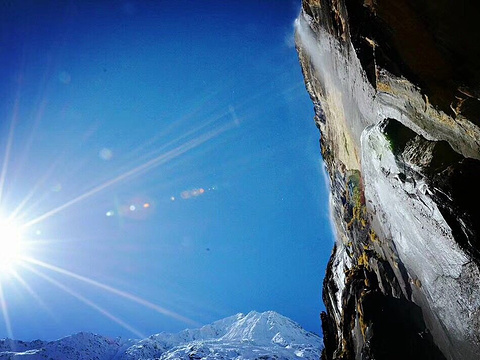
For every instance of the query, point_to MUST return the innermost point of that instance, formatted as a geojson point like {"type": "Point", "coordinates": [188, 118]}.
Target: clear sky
{"type": "Point", "coordinates": [161, 160]}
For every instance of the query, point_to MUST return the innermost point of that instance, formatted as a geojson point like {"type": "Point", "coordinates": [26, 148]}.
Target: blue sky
{"type": "Point", "coordinates": [162, 161]}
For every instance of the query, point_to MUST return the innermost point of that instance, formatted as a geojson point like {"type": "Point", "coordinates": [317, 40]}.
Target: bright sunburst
{"type": "Point", "coordinates": [11, 247]}
{"type": "Point", "coordinates": [19, 250]}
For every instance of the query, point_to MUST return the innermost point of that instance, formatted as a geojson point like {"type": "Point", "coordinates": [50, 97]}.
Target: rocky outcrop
{"type": "Point", "coordinates": [396, 91]}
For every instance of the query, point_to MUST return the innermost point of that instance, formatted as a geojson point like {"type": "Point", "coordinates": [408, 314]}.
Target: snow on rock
{"type": "Point", "coordinates": [426, 245]}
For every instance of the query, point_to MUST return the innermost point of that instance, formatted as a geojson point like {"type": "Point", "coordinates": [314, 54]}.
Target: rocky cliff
{"type": "Point", "coordinates": [396, 88]}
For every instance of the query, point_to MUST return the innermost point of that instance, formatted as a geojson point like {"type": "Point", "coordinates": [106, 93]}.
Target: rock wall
{"type": "Point", "coordinates": [396, 89]}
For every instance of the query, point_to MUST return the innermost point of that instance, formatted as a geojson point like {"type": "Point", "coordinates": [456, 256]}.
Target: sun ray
{"type": "Point", "coordinates": [129, 173]}
{"type": "Point", "coordinates": [8, 146]}
{"type": "Point", "coordinates": [159, 160]}
{"type": "Point", "coordinates": [188, 133]}
{"type": "Point", "coordinates": [34, 189]}
{"type": "Point", "coordinates": [32, 293]}
{"type": "Point", "coordinates": [115, 291]}
{"type": "Point", "coordinates": [6, 316]}
{"type": "Point", "coordinates": [155, 153]}
{"type": "Point", "coordinates": [53, 166]}
{"type": "Point", "coordinates": [41, 181]}
{"type": "Point", "coordinates": [27, 144]}
{"type": "Point", "coordinates": [176, 123]}
{"type": "Point", "coordinates": [86, 301]}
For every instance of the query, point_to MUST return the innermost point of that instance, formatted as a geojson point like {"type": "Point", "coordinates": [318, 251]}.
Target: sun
{"type": "Point", "coordinates": [10, 245]}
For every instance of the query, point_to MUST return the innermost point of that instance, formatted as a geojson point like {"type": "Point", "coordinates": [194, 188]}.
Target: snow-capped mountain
{"type": "Point", "coordinates": [267, 335]}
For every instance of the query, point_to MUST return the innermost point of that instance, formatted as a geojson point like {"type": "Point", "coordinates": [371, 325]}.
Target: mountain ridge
{"type": "Point", "coordinates": [266, 335]}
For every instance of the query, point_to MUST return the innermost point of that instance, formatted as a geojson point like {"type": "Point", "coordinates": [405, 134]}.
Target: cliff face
{"type": "Point", "coordinates": [395, 86]}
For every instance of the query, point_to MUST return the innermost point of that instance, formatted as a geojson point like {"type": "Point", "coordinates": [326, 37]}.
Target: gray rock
{"type": "Point", "coordinates": [400, 140]}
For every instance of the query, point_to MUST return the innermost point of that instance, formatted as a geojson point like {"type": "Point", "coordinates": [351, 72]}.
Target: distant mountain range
{"type": "Point", "coordinates": [264, 336]}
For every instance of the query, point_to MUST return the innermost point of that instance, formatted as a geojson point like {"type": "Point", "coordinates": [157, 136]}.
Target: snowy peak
{"type": "Point", "coordinates": [266, 335]}
{"type": "Point", "coordinates": [251, 336]}
{"type": "Point", "coordinates": [265, 328]}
